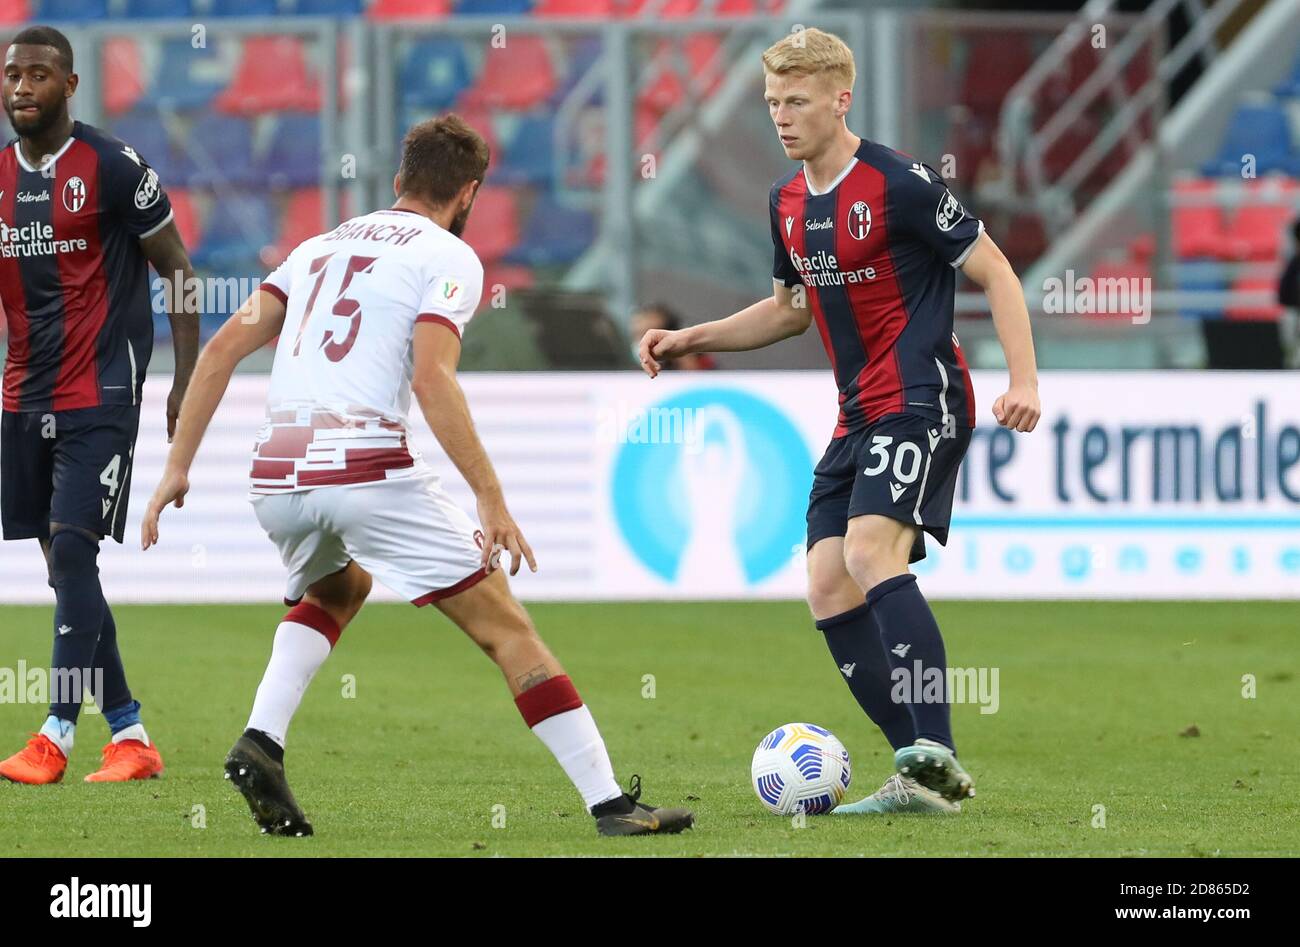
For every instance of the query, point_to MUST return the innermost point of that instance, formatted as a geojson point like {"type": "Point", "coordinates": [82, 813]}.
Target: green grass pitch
{"type": "Point", "coordinates": [1093, 699]}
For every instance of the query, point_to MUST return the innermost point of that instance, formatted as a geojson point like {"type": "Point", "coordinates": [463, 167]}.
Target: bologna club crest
{"type": "Point", "coordinates": [74, 195]}
{"type": "Point", "coordinates": [859, 222]}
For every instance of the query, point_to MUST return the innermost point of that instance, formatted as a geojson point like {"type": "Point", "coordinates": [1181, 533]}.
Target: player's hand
{"type": "Point", "coordinates": [171, 489]}
{"type": "Point", "coordinates": [502, 533]}
{"type": "Point", "coordinates": [174, 400]}
{"type": "Point", "coordinates": [659, 344]}
{"type": "Point", "coordinates": [1018, 409]}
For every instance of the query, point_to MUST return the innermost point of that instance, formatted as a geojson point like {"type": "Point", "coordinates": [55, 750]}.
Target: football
{"type": "Point", "coordinates": [800, 766]}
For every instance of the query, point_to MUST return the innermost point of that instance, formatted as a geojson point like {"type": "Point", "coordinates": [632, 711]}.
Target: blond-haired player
{"type": "Point", "coordinates": [367, 315]}
{"type": "Point", "coordinates": [867, 244]}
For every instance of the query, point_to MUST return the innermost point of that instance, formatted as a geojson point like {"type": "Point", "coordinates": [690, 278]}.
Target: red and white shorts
{"type": "Point", "coordinates": [405, 532]}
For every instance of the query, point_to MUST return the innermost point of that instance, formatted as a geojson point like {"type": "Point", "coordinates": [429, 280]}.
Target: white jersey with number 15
{"type": "Point", "coordinates": [341, 383]}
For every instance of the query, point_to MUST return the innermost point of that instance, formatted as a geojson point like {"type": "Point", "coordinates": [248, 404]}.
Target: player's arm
{"type": "Point", "coordinates": [256, 323]}
{"type": "Point", "coordinates": [783, 314]}
{"type": "Point", "coordinates": [436, 351]}
{"type": "Point", "coordinates": [166, 252]}
{"type": "Point", "coordinates": [1019, 408]}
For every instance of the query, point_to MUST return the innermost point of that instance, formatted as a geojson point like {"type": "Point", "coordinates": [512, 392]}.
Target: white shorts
{"type": "Point", "coordinates": [407, 533]}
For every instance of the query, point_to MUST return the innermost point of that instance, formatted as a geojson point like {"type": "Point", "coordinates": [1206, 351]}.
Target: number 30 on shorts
{"type": "Point", "coordinates": [906, 462]}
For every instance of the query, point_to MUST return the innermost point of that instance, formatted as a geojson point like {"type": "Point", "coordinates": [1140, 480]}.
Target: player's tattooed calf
{"type": "Point", "coordinates": [534, 677]}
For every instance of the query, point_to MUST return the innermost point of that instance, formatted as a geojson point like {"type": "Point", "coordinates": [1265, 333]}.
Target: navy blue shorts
{"type": "Point", "coordinates": [69, 467]}
{"type": "Point", "coordinates": [901, 467]}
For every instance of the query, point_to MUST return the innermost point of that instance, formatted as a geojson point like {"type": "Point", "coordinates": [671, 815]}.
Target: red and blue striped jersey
{"type": "Point", "coordinates": [877, 253]}
{"type": "Point", "coordinates": [73, 278]}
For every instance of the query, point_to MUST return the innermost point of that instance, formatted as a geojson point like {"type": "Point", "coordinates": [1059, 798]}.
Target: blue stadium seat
{"type": "Point", "coordinates": [151, 9]}
{"type": "Point", "coordinates": [187, 78]}
{"type": "Point", "coordinates": [144, 131]}
{"type": "Point", "coordinates": [1206, 277]}
{"type": "Point", "coordinates": [237, 231]}
{"type": "Point", "coordinates": [245, 8]}
{"type": "Point", "coordinates": [493, 7]}
{"type": "Point", "coordinates": [554, 235]}
{"type": "Point", "coordinates": [293, 158]}
{"type": "Point", "coordinates": [328, 7]}
{"type": "Point", "coordinates": [434, 74]}
{"type": "Point", "coordinates": [529, 155]}
{"type": "Point", "coordinates": [221, 152]}
{"type": "Point", "coordinates": [1290, 86]}
{"type": "Point", "coordinates": [1259, 130]}
{"type": "Point", "coordinates": [69, 10]}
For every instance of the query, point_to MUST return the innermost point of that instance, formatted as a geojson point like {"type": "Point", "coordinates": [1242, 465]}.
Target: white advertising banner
{"type": "Point", "coordinates": [1135, 485]}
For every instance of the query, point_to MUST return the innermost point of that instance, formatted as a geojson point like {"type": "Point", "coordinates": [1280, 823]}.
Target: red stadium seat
{"type": "Point", "coordinates": [1267, 313]}
{"type": "Point", "coordinates": [272, 76]}
{"type": "Point", "coordinates": [493, 228]}
{"type": "Point", "coordinates": [1198, 229]}
{"type": "Point", "coordinates": [402, 9]}
{"type": "Point", "coordinates": [994, 64]}
{"type": "Point", "coordinates": [15, 11]}
{"type": "Point", "coordinates": [518, 77]}
{"type": "Point", "coordinates": [683, 9]}
{"type": "Point", "coordinates": [123, 75]}
{"type": "Point", "coordinates": [479, 118]}
{"type": "Point", "coordinates": [1128, 270]}
{"type": "Point", "coordinates": [576, 9]}
{"type": "Point", "coordinates": [186, 216]}
{"type": "Point", "coordinates": [1257, 229]}
{"type": "Point", "coordinates": [301, 221]}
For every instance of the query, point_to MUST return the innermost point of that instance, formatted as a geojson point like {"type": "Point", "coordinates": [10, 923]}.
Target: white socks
{"type": "Point", "coordinates": [133, 732]}
{"type": "Point", "coordinates": [61, 732]}
{"type": "Point", "coordinates": [573, 738]}
{"type": "Point", "coordinates": [298, 652]}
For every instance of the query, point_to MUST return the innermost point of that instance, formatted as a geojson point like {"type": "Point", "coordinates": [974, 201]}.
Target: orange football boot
{"type": "Point", "coordinates": [39, 762]}
{"type": "Point", "coordinates": [128, 760]}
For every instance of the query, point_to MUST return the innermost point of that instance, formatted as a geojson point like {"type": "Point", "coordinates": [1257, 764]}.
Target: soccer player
{"type": "Point", "coordinates": [367, 315]}
{"type": "Point", "coordinates": [81, 216]}
{"type": "Point", "coordinates": [867, 242]}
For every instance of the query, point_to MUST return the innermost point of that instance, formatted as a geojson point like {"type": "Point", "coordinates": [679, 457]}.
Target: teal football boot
{"type": "Point", "coordinates": [935, 767]}
{"type": "Point", "coordinates": [900, 794]}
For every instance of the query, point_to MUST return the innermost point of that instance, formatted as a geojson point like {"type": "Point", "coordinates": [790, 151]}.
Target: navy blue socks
{"type": "Point", "coordinates": [78, 618]}
{"type": "Point", "coordinates": [855, 643]}
{"type": "Point", "coordinates": [914, 648]}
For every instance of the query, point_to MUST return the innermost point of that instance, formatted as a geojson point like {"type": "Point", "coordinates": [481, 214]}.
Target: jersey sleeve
{"type": "Point", "coordinates": [926, 210]}
{"type": "Point", "coordinates": [134, 193]}
{"type": "Point", "coordinates": [782, 268]}
{"type": "Point", "coordinates": [452, 292]}
{"type": "Point", "coordinates": [277, 281]}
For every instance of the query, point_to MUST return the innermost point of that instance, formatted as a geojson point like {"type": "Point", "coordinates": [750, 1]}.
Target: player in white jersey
{"type": "Point", "coordinates": [367, 314]}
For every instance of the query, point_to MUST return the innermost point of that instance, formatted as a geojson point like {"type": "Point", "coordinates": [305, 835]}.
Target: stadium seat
{"type": "Point", "coordinates": [993, 65]}
{"type": "Point", "coordinates": [14, 11]}
{"type": "Point", "coordinates": [328, 7]}
{"type": "Point", "coordinates": [218, 149]}
{"type": "Point", "coordinates": [1201, 277]}
{"type": "Point", "coordinates": [144, 131]}
{"type": "Point", "coordinates": [293, 158]}
{"type": "Point", "coordinates": [238, 230]}
{"type": "Point", "coordinates": [244, 8]}
{"type": "Point", "coordinates": [188, 78]}
{"type": "Point", "coordinates": [186, 215]}
{"type": "Point", "coordinates": [70, 10]}
{"type": "Point", "coordinates": [480, 119]}
{"type": "Point", "coordinates": [272, 76]}
{"type": "Point", "coordinates": [1265, 313]}
{"type": "Point", "coordinates": [554, 235]}
{"type": "Point", "coordinates": [517, 78]}
{"type": "Point", "coordinates": [1259, 130]}
{"type": "Point", "coordinates": [494, 7]}
{"type": "Point", "coordinates": [408, 9]}
{"type": "Point", "coordinates": [1198, 229]}
{"type": "Point", "coordinates": [529, 154]}
{"type": "Point", "coordinates": [434, 73]}
{"type": "Point", "coordinates": [493, 228]}
{"type": "Point", "coordinates": [684, 9]}
{"type": "Point", "coordinates": [1131, 271]}
{"type": "Point", "coordinates": [576, 9]}
{"type": "Point", "coordinates": [1290, 86]}
{"type": "Point", "coordinates": [157, 9]}
{"type": "Point", "coordinates": [123, 74]}
{"type": "Point", "coordinates": [1257, 230]}
{"type": "Point", "coordinates": [301, 221]}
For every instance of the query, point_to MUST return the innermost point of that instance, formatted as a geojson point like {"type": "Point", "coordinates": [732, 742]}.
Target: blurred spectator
{"type": "Point", "coordinates": [1288, 295]}
{"type": "Point", "coordinates": [662, 316]}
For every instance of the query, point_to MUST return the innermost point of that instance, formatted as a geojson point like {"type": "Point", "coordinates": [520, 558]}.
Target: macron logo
{"type": "Point", "coordinates": [901, 650]}
{"type": "Point", "coordinates": [847, 669]}
{"type": "Point", "coordinates": [65, 629]}
{"type": "Point", "coordinates": [789, 223]}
